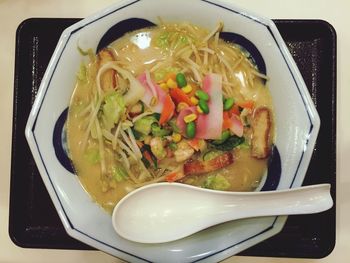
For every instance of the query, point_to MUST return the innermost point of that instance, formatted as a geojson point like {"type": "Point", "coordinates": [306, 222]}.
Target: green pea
{"type": "Point", "coordinates": [202, 95]}
{"type": "Point", "coordinates": [228, 103]}
{"type": "Point", "coordinates": [224, 136]}
{"type": "Point", "coordinates": [191, 130]}
{"type": "Point", "coordinates": [204, 106]}
{"type": "Point", "coordinates": [181, 79]}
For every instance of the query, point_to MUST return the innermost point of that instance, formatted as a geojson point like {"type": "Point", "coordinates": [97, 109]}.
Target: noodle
{"type": "Point", "coordinates": [130, 117]}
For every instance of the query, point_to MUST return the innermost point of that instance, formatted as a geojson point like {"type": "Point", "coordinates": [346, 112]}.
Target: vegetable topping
{"type": "Point", "coordinates": [186, 106]}
{"type": "Point", "coordinates": [193, 167]}
{"type": "Point", "coordinates": [210, 124]}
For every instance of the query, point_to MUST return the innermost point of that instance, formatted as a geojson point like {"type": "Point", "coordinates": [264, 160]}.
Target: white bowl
{"type": "Point", "coordinates": [297, 125]}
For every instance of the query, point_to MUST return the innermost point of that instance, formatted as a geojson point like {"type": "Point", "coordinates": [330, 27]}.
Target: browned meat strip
{"type": "Point", "coordinates": [108, 79]}
{"type": "Point", "coordinates": [201, 167]}
{"type": "Point", "coordinates": [261, 127]}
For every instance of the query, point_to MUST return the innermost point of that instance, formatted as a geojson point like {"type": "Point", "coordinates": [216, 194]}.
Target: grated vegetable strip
{"type": "Point", "coordinates": [145, 169]}
{"type": "Point", "coordinates": [157, 66]}
{"type": "Point", "coordinates": [181, 51]}
{"type": "Point", "coordinates": [115, 137]}
{"type": "Point", "coordinates": [230, 50]}
{"type": "Point", "coordinates": [140, 116]}
{"type": "Point", "coordinates": [191, 62]}
{"type": "Point", "coordinates": [127, 149]}
{"type": "Point", "coordinates": [207, 50]}
{"type": "Point", "coordinates": [125, 158]}
{"type": "Point", "coordinates": [127, 140]}
{"type": "Point", "coordinates": [260, 75]}
{"type": "Point", "coordinates": [213, 32]}
{"type": "Point", "coordinates": [86, 110]}
{"type": "Point", "coordinates": [91, 122]}
{"type": "Point", "coordinates": [237, 63]}
{"type": "Point", "coordinates": [150, 85]}
{"type": "Point", "coordinates": [133, 142]}
{"type": "Point", "coordinates": [101, 148]}
{"type": "Point", "coordinates": [108, 135]}
{"type": "Point", "coordinates": [227, 65]}
{"type": "Point", "coordinates": [196, 54]}
{"type": "Point", "coordinates": [216, 40]}
{"type": "Point", "coordinates": [196, 74]}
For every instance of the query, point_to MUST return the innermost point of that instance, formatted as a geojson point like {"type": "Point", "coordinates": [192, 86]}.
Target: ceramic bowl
{"type": "Point", "coordinates": [297, 124]}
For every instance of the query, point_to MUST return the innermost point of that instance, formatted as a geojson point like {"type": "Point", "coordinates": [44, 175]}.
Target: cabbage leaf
{"type": "Point", "coordinates": [112, 110]}
{"type": "Point", "coordinates": [217, 182]}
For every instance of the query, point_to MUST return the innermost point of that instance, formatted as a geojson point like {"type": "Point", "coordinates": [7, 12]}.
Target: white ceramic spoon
{"type": "Point", "coordinates": [166, 212]}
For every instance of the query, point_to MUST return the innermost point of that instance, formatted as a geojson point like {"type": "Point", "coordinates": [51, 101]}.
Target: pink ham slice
{"type": "Point", "coordinates": [236, 125]}
{"type": "Point", "coordinates": [161, 94]}
{"type": "Point", "coordinates": [180, 118]}
{"type": "Point", "coordinates": [209, 126]}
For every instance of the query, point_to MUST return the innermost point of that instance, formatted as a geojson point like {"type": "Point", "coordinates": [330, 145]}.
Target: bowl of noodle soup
{"type": "Point", "coordinates": [145, 92]}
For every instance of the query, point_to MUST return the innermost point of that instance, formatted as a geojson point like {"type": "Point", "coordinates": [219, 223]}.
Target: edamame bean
{"type": "Point", "coordinates": [203, 105]}
{"type": "Point", "coordinates": [191, 130]}
{"type": "Point", "coordinates": [224, 136]}
{"type": "Point", "coordinates": [202, 95]}
{"type": "Point", "coordinates": [181, 79]}
{"type": "Point", "coordinates": [228, 103]}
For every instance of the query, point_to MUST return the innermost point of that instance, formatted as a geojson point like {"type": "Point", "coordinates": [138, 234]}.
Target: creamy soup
{"type": "Point", "coordinates": [170, 103]}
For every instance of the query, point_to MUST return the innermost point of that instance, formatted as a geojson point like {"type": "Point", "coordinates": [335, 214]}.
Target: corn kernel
{"type": "Point", "coordinates": [154, 101]}
{"type": "Point", "coordinates": [190, 117]}
{"type": "Point", "coordinates": [181, 106]}
{"type": "Point", "coordinates": [187, 89]}
{"type": "Point", "coordinates": [176, 137]}
{"type": "Point", "coordinates": [171, 83]}
{"type": "Point", "coordinates": [194, 100]}
{"type": "Point", "coordinates": [199, 109]}
{"type": "Point", "coordinates": [164, 86]}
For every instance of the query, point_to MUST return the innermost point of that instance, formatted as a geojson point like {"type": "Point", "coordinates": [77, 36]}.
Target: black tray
{"type": "Point", "coordinates": [33, 221]}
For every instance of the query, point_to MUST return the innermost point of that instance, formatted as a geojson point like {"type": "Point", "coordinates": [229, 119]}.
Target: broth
{"type": "Point", "coordinates": [117, 140]}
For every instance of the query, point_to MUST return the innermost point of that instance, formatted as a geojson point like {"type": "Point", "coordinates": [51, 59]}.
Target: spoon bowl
{"type": "Point", "coordinates": [165, 212]}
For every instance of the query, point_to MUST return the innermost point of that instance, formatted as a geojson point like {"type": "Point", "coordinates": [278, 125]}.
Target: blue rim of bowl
{"type": "Point", "coordinates": [48, 84]}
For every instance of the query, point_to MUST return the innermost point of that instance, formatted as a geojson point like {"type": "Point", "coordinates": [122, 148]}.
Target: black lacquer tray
{"type": "Point", "coordinates": [33, 221]}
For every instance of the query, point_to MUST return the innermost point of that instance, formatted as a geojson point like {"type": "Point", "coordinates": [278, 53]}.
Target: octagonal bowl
{"type": "Point", "coordinates": [296, 123]}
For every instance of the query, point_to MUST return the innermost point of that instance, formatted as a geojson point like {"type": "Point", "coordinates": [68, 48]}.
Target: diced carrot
{"type": "Point", "coordinates": [179, 96]}
{"type": "Point", "coordinates": [171, 75]}
{"type": "Point", "coordinates": [226, 124]}
{"type": "Point", "coordinates": [194, 143]}
{"type": "Point", "coordinates": [235, 110]}
{"type": "Point", "coordinates": [248, 104]}
{"type": "Point", "coordinates": [168, 110]}
{"type": "Point", "coordinates": [174, 176]}
{"type": "Point", "coordinates": [170, 177]}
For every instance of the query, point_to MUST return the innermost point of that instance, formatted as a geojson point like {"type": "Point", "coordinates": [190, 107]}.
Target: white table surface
{"type": "Point", "coordinates": [13, 12]}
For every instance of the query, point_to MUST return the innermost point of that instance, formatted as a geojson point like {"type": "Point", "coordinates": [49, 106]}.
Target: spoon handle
{"type": "Point", "coordinates": [303, 200]}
